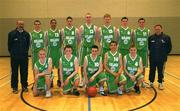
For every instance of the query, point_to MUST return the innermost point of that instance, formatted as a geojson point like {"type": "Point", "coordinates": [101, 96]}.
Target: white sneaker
{"type": "Point", "coordinates": [160, 86]}
{"type": "Point", "coordinates": [151, 84]}
{"type": "Point", "coordinates": [143, 85]}
{"type": "Point", "coordinates": [48, 94]}
{"type": "Point", "coordinates": [119, 91]}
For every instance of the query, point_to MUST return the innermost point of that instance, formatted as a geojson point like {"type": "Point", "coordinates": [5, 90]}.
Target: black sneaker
{"type": "Point", "coordinates": [58, 83]}
{"type": "Point", "coordinates": [52, 85]}
{"type": "Point", "coordinates": [137, 89]}
{"type": "Point", "coordinates": [76, 92]}
{"type": "Point", "coordinates": [15, 90]}
{"type": "Point", "coordinates": [25, 89]}
{"type": "Point", "coordinates": [103, 93]}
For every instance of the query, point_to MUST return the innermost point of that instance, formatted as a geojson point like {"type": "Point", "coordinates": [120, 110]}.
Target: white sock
{"type": "Point", "coordinates": [101, 88]}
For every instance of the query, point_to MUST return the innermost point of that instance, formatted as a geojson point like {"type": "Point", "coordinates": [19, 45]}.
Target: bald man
{"type": "Point", "coordinates": [18, 46]}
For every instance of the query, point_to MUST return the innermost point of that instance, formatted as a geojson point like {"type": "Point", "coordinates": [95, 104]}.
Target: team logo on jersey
{"type": "Point", "coordinates": [40, 35]}
{"type": "Point", "coordinates": [128, 33]}
{"type": "Point", "coordinates": [96, 64]}
{"type": "Point", "coordinates": [110, 31]}
{"type": "Point", "coordinates": [69, 41]}
{"type": "Point", "coordinates": [125, 41]}
{"type": "Point", "coordinates": [136, 64]}
{"type": "Point", "coordinates": [141, 43]}
{"type": "Point", "coordinates": [56, 34]}
{"type": "Point", "coordinates": [71, 64]}
{"type": "Point", "coordinates": [38, 45]}
{"type": "Point", "coordinates": [144, 33]}
{"type": "Point", "coordinates": [91, 31]}
{"type": "Point", "coordinates": [54, 43]}
{"type": "Point", "coordinates": [72, 33]}
{"type": "Point", "coordinates": [116, 59]}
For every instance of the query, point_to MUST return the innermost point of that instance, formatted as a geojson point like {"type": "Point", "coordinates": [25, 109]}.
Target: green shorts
{"type": "Point", "coordinates": [130, 84]}
{"type": "Point", "coordinates": [144, 56]}
{"type": "Point", "coordinates": [41, 83]}
{"type": "Point", "coordinates": [112, 86]}
{"type": "Point", "coordinates": [83, 52]}
{"type": "Point", "coordinates": [69, 86]}
{"type": "Point", "coordinates": [99, 78]}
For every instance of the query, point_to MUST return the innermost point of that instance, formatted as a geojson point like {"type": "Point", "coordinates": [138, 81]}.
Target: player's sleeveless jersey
{"type": "Point", "coordinates": [107, 36]}
{"type": "Point", "coordinates": [88, 35]}
{"type": "Point", "coordinates": [141, 38]}
{"type": "Point", "coordinates": [67, 65]}
{"type": "Point", "coordinates": [37, 41]}
{"type": "Point", "coordinates": [70, 37]}
{"type": "Point", "coordinates": [93, 65]}
{"type": "Point", "coordinates": [113, 61]}
{"type": "Point", "coordinates": [124, 38]}
{"type": "Point", "coordinates": [132, 65]}
{"type": "Point", "coordinates": [53, 39]}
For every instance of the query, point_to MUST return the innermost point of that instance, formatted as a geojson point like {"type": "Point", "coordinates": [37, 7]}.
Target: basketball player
{"type": "Point", "coordinates": [108, 33]}
{"type": "Point", "coordinates": [89, 34]}
{"type": "Point", "coordinates": [68, 71]}
{"type": "Point", "coordinates": [43, 74]}
{"type": "Point", "coordinates": [70, 35]}
{"type": "Point", "coordinates": [114, 68]}
{"type": "Point", "coordinates": [133, 69]}
{"type": "Point", "coordinates": [125, 37]}
{"type": "Point", "coordinates": [93, 70]}
{"type": "Point", "coordinates": [54, 45]}
{"type": "Point", "coordinates": [141, 35]}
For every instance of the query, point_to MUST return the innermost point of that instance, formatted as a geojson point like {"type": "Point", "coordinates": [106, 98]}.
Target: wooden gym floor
{"type": "Point", "coordinates": [149, 100]}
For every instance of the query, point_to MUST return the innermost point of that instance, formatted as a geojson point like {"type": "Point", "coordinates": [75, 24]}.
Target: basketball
{"type": "Point", "coordinates": [91, 91]}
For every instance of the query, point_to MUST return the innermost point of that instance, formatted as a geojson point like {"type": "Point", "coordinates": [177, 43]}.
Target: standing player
{"type": "Point", "coordinates": [70, 35]}
{"type": "Point", "coordinates": [133, 69]}
{"type": "Point", "coordinates": [68, 71]}
{"type": "Point", "coordinates": [141, 35]}
{"type": "Point", "coordinates": [88, 33]}
{"type": "Point", "coordinates": [43, 74]}
{"type": "Point", "coordinates": [93, 70]}
{"type": "Point", "coordinates": [108, 33]}
{"type": "Point", "coordinates": [54, 45]}
{"type": "Point", "coordinates": [114, 68]}
{"type": "Point", "coordinates": [37, 40]}
{"type": "Point", "coordinates": [125, 37]}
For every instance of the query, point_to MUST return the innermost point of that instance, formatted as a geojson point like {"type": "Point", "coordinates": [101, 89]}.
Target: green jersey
{"type": "Point", "coordinates": [54, 39]}
{"type": "Point", "coordinates": [124, 38]}
{"type": "Point", "coordinates": [141, 38]}
{"type": "Point", "coordinates": [113, 61]}
{"type": "Point", "coordinates": [37, 41]}
{"type": "Point", "coordinates": [68, 66]}
{"type": "Point", "coordinates": [88, 35]}
{"type": "Point", "coordinates": [107, 35]}
{"type": "Point", "coordinates": [70, 37]}
{"type": "Point", "coordinates": [132, 65]}
{"type": "Point", "coordinates": [92, 64]}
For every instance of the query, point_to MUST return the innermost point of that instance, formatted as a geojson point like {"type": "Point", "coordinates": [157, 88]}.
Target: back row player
{"type": "Point", "coordinates": [88, 34]}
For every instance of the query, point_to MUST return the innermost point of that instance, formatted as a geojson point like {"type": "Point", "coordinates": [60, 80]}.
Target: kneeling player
{"type": "Point", "coordinates": [68, 72]}
{"type": "Point", "coordinates": [93, 70]}
{"type": "Point", "coordinates": [133, 69]}
{"type": "Point", "coordinates": [43, 74]}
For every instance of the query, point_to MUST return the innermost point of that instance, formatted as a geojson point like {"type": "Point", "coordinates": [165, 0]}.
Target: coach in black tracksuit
{"type": "Point", "coordinates": [159, 45]}
{"type": "Point", "coordinates": [18, 46]}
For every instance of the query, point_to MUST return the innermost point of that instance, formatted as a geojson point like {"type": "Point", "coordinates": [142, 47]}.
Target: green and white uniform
{"type": "Point", "coordinates": [92, 67]}
{"type": "Point", "coordinates": [42, 67]}
{"type": "Point", "coordinates": [141, 42]}
{"type": "Point", "coordinates": [107, 35]}
{"type": "Point", "coordinates": [125, 40]}
{"type": "Point", "coordinates": [88, 40]}
{"type": "Point", "coordinates": [131, 66]}
{"type": "Point", "coordinates": [54, 46]}
{"type": "Point", "coordinates": [70, 38]}
{"type": "Point", "coordinates": [68, 67]}
{"type": "Point", "coordinates": [113, 63]}
{"type": "Point", "coordinates": [37, 43]}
